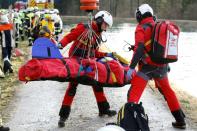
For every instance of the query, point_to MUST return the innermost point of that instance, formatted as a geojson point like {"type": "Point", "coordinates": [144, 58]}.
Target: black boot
{"type": "Point", "coordinates": [64, 114]}
{"type": "Point", "coordinates": [7, 67]}
{"type": "Point", "coordinates": [104, 109]}
{"type": "Point", "coordinates": [2, 128]}
{"type": "Point", "coordinates": [108, 112]}
{"type": "Point", "coordinates": [180, 119]}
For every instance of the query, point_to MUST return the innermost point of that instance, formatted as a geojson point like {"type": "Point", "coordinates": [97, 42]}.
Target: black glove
{"type": "Point", "coordinates": [59, 45]}
{"type": "Point", "coordinates": [168, 68]}
{"type": "Point", "coordinates": [131, 47]}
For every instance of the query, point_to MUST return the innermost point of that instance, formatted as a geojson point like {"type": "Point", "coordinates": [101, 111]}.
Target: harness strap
{"type": "Point", "coordinates": [49, 51]}
{"type": "Point", "coordinates": [67, 68]}
{"type": "Point", "coordinates": [145, 26]}
{"type": "Point", "coordinates": [125, 78]}
{"type": "Point", "coordinates": [79, 52]}
{"type": "Point", "coordinates": [108, 72]}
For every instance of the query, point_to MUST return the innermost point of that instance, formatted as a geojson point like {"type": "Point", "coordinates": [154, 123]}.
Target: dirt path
{"type": "Point", "coordinates": [36, 105]}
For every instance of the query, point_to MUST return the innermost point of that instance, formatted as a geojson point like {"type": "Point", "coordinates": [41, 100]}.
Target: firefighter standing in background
{"type": "Point", "coordinates": [58, 24]}
{"type": "Point", "coordinates": [7, 41]}
{"type": "Point", "coordinates": [150, 70]}
{"type": "Point", "coordinates": [18, 24]}
{"type": "Point", "coordinates": [28, 24]}
{"type": "Point", "coordinates": [36, 26]}
{"type": "Point", "coordinates": [21, 15]}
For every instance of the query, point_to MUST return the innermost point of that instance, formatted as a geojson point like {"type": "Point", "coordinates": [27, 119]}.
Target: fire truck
{"type": "Point", "coordinates": [41, 4]}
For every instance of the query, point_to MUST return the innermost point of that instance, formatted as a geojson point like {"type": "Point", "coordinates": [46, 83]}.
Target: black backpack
{"type": "Point", "coordinates": [132, 117]}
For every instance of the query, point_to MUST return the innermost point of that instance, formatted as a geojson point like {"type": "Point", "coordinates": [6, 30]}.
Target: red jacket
{"type": "Point", "coordinates": [78, 48]}
{"type": "Point", "coordinates": [143, 34]}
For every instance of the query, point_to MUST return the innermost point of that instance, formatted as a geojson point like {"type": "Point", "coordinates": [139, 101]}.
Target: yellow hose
{"type": "Point", "coordinates": [121, 59]}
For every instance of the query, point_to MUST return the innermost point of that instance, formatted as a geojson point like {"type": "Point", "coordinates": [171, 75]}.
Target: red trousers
{"type": "Point", "coordinates": [138, 84]}
{"type": "Point", "coordinates": [71, 91]}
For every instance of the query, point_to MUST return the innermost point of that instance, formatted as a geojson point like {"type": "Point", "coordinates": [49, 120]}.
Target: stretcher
{"type": "Point", "coordinates": [48, 64]}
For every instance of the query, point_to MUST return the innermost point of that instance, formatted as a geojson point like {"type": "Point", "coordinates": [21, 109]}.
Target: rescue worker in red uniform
{"type": "Point", "coordinates": [7, 42]}
{"type": "Point", "coordinates": [102, 20]}
{"type": "Point", "coordinates": [148, 69]}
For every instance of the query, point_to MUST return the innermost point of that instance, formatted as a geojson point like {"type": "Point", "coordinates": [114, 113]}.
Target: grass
{"type": "Point", "coordinates": [10, 82]}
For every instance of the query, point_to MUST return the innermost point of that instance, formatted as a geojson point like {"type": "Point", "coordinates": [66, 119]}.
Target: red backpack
{"type": "Point", "coordinates": [164, 43]}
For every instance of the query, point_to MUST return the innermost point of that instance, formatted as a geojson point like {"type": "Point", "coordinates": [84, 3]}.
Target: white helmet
{"type": "Point", "coordinates": [107, 17]}
{"type": "Point", "coordinates": [141, 10]}
{"type": "Point", "coordinates": [111, 128]}
{"type": "Point", "coordinates": [36, 8]}
{"type": "Point", "coordinates": [56, 11]}
{"type": "Point", "coordinates": [4, 19]}
{"type": "Point", "coordinates": [29, 9]}
{"type": "Point", "coordinates": [145, 8]}
{"type": "Point", "coordinates": [47, 11]}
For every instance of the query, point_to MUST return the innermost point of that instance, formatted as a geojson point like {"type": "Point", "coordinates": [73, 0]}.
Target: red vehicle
{"type": "Point", "coordinates": [20, 5]}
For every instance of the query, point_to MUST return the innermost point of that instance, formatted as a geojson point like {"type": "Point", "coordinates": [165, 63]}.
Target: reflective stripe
{"type": "Point", "coordinates": [123, 111]}
{"type": "Point", "coordinates": [3, 39]}
{"type": "Point", "coordinates": [113, 77]}
{"type": "Point", "coordinates": [142, 75]}
{"type": "Point", "coordinates": [146, 55]}
{"type": "Point", "coordinates": [12, 38]}
{"type": "Point", "coordinates": [147, 43]}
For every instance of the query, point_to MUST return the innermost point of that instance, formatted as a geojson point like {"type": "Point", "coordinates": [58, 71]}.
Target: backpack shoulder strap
{"type": "Point", "coordinates": [147, 25]}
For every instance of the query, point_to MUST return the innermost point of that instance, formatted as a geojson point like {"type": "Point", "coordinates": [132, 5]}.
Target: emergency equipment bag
{"type": "Point", "coordinates": [132, 117]}
{"type": "Point", "coordinates": [164, 43]}
{"type": "Point", "coordinates": [45, 48]}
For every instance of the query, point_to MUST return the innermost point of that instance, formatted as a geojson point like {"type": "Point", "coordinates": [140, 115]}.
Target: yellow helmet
{"type": "Point", "coordinates": [48, 17]}
{"type": "Point", "coordinates": [45, 32]}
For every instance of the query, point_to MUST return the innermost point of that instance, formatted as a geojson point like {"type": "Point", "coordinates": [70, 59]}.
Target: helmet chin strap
{"type": "Point", "coordinates": [99, 22]}
{"type": "Point", "coordinates": [138, 15]}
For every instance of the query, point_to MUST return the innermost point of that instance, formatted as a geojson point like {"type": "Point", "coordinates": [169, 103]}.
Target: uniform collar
{"type": "Point", "coordinates": [95, 26]}
{"type": "Point", "coordinates": [147, 20]}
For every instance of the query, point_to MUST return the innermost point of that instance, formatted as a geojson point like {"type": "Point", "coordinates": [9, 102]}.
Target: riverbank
{"type": "Point", "coordinates": [186, 25]}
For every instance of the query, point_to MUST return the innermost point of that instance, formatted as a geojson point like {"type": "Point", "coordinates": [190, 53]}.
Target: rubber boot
{"type": "Point", "coordinates": [104, 109]}
{"type": "Point", "coordinates": [7, 67]}
{"type": "Point", "coordinates": [2, 128]}
{"type": "Point", "coordinates": [180, 119]}
{"type": "Point", "coordinates": [64, 114]}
